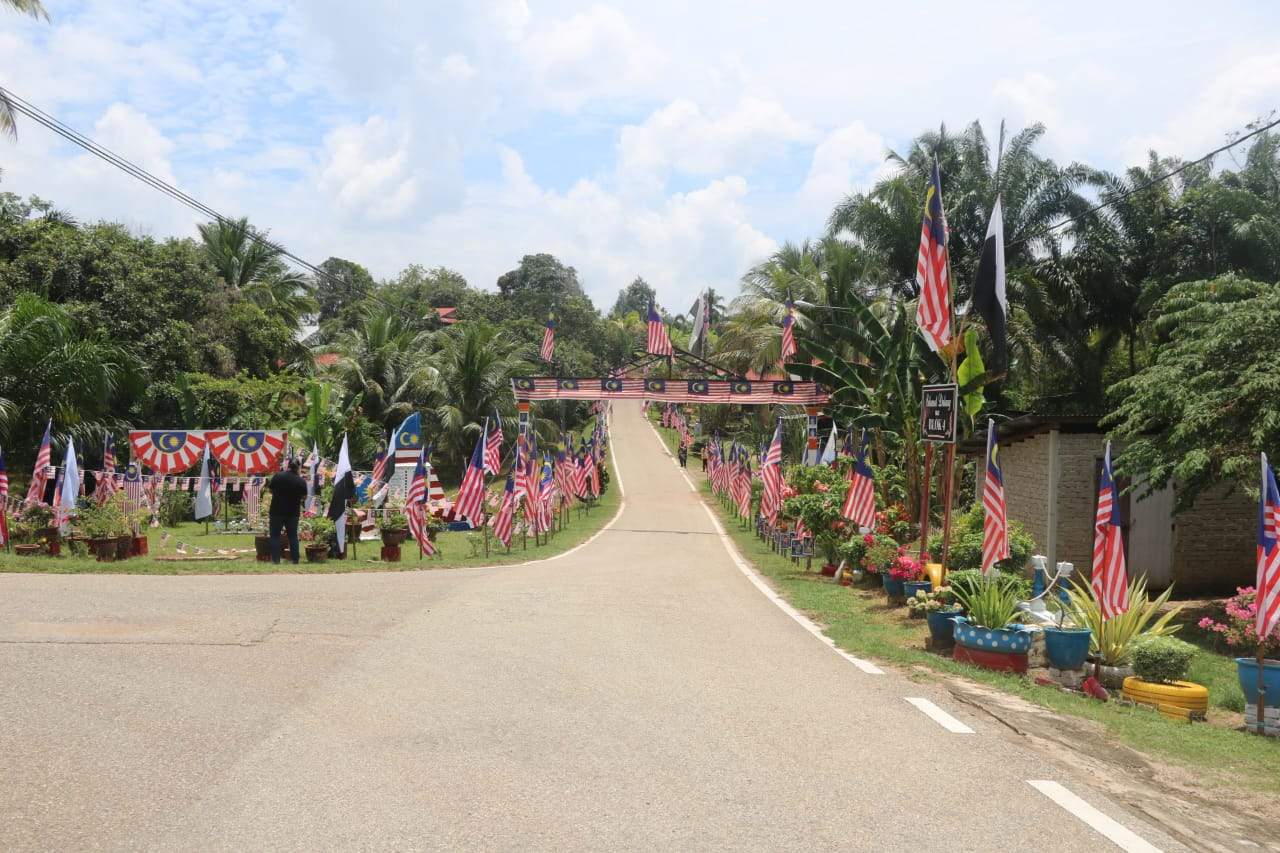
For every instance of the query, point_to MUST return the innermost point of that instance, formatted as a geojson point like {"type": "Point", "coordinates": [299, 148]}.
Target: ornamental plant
{"type": "Point", "coordinates": [1237, 626]}
{"type": "Point", "coordinates": [820, 512]}
{"type": "Point", "coordinates": [1114, 639]}
{"type": "Point", "coordinates": [990, 604]}
{"type": "Point", "coordinates": [894, 521]}
{"type": "Point", "coordinates": [904, 568]}
{"type": "Point", "coordinates": [1162, 660]}
{"type": "Point", "coordinates": [942, 598]}
{"type": "Point", "coordinates": [966, 543]}
{"type": "Point", "coordinates": [392, 517]}
{"type": "Point", "coordinates": [322, 530]}
{"type": "Point", "coordinates": [881, 552]}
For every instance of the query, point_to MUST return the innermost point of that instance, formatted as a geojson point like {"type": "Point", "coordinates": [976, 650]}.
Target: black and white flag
{"type": "Point", "coordinates": [989, 290]}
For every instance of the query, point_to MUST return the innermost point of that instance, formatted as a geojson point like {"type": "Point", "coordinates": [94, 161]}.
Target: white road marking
{"type": "Point", "coordinates": [1103, 825]}
{"type": "Point", "coordinates": [759, 582]}
{"type": "Point", "coordinates": [940, 716]}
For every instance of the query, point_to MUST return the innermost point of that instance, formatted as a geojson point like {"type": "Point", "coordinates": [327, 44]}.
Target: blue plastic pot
{"type": "Point", "coordinates": [1066, 648]}
{"type": "Point", "coordinates": [940, 627]}
{"type": "Point", "coordinates": [910, 588]}
{"type": "Point", "coordinates": [1011, 639]}
{"type": "Point", "coordinates": [893, 587]}
{"type": "Point", "coordinates": [1247, 672]}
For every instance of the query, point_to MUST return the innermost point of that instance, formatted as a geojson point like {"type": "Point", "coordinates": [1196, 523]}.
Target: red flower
{"type": "Point", "coordinates": [821, 487]}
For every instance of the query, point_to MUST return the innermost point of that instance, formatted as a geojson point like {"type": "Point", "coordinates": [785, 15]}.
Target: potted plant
{"type": "Point", "coordinates": [393, 524]}
{"type": "Point", "coordinates": [903, 571]}
{"type": "Point", "coordinates": [1113, 639]}
{"type": "Point", "coordinates": [40, 518]}
{"type": "Point", "coordinates": [1066, 648]}
{"type": "Point", "coordinates": [939, 609]}
{"type": "Point", "coordinates": [322, 531]}
{"type": "Point", "coordinates": [1159, 665]}
{"type": "Point", "coordinates": [23, 535]}
{"type": "Point", "coordinates": [989, 634]}
{"type": "Point", "coordinates": [1237, 628]}
{"type": "Point", "coordinates": [98, 523]}
{"type": "Point", "coordinates": [122, 523]}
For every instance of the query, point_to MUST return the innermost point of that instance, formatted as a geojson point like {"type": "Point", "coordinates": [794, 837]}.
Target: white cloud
{"type": "Point", "coordinates": [367, 171]}
{"type": "Point", "coordinates": [848, 158]}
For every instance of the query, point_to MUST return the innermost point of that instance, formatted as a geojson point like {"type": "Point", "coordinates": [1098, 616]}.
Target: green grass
{"type": "Point", "coordinates": [455, 550]}
{"type": "Point", "coordinates": [860, 622]}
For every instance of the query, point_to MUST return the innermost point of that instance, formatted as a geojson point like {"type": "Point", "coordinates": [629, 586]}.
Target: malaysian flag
{"type": "Point", "coordinates": [933, 307]}
{"type": "Point", "coordinates": [380, 464]}
{"type": "Point", "coordinates": [252, 499]}
{"type": "Point", "coordinates": [1268, 597]}
{"type": "Point", "coordinates": [493, 446]}
{"type": "Point", "coordinates": [4, 502]}
{"type": "Point", "coordinates": [133, 486]}
{"type": "Point", "coordinates": [742, 484]}
{"type": "Point", "coordinates": [1110, 581]}
{"type": "Point", "coordinates": [505, 520]}
{"type": "Point", "coordinates": [659, 341]}
{"type": "Point", "coordinates": [771, 472]}
{"type": "Point", "coordinates": [995, 524]}
{"type": "Point", "coordinates": [788, 331]}
{"type": "Point", "coordinates": [470, 504]}
{"type": "Point", "coordinates": [548, 351]}
{"type": "Point", "coordinates": [546, 494]}
{"type": "Point", "coordinates": [415, 506]}
{"type": "Point", "coordinates": [40, 474]}
{"type": "Point", "coordinates": [860, 501]}
{"type": "Point", "coordinates": [107, 477]}
{"type": "Point", "coordinates": [4, 479]}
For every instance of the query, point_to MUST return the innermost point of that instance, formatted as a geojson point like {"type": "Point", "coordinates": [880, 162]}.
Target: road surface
{"type": "Point", "coordinates": [641, 692]}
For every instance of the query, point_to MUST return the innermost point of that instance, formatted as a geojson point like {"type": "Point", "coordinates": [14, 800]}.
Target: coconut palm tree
{"type": "Point", "coordinates": [253, 267]}
{"type": "Point", "coordinates": [386, 362]}
{"type": "Point", "coordinates": [35, 10]}
{"type": "Point", "coordinates": [474, 366]}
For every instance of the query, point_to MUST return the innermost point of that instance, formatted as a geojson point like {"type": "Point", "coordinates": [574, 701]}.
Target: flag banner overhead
{"type": "Point", "coordinates": [166, 451]}
{"type": "Point", "coordinates": [740, 391]}
{"type": "Point", "coordinates": [247, 451]}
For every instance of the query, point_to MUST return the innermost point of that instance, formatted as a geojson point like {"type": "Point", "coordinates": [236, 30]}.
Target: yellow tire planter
{"type": "Point", "coordinates": [1180, 700]}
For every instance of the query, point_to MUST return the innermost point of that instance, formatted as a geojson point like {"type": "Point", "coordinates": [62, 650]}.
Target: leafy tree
{"type": "Point", "coordinates": [35, 10]}
{"type": "Point", "coordinates": [543, 275]}
{"type": "Point", "coordinates": [475, 364]}
{"type": "Point", "coordinates": [342, 289]}
{"type": "Point", "coordinates": [1204, 408]}
{"type": "Point", "coordinates": [383, 361]}
{"type": "Point", "coordinates": [636, 297]}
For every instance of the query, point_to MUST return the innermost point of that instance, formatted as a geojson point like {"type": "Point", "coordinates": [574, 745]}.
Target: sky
{"type": "Point", "coordinates": [679, 141]}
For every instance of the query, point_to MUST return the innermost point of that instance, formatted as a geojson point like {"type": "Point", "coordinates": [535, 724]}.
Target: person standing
{"type": "Point", "coordinates": [683, 454]}
{"type": "Point", "coordinates": [288, 490]}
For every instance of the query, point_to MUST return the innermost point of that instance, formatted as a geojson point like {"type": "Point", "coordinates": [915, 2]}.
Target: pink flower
{"type": "Point", "coordinates": [1205, 623]}
{"type": "Point", "coordinates": [821, 487]}
{"type": "Point", "coordinates": [868, 540]}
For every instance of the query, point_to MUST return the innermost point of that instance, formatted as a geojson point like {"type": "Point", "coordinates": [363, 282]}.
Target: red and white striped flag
{"type": "Point", "coordinates": [40, 474]}
{"type": "Point", "coordinates": [742, 485]}
{"type": "Point", "coordinates": [4, 501]}
{"type": "Point", "coordinates": [416, 506]}
{"type": "Point", "coordinates": [493, 447]}
{"type": "Point", "coordinates": [933, 307]}
{"type": "Point", "coordinates": [860, 501]}
{"type": "Point", "coordinates": [470, 503]}
{"type": "Point", "coordinates": [995, 524]}
{"type": "Point", "coordinates": [659, 342]}
{"type": "Point", "coordinates": [505, 520]}
{"type": "Point", "coordinates": [771, 473]}
{"type": "Point", "coordinates": [788, 332]}
{"type": "Point", "coordinates": [1268, 597]}
{"type": "Point", "coordinates": [548, 351]}
{"type": "Point", "coordinates": [1110, 580]}
{"type": "Point", "coordinates": [107, 477]}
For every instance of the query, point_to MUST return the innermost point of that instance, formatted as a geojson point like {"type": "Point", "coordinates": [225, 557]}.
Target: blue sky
{"type": "Point", "coordinates": [673, 140]}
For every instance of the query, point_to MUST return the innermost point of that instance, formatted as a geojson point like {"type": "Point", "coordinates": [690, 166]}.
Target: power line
{"type": "Point", "coordinates": [1115, 199]}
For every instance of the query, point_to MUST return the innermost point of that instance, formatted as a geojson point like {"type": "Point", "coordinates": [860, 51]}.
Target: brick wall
{"type": "Point", "coordinates": [1025, 465]}
{"type": "Point", "coordinates": [1215, 542]}
{"type": "Point", "coordinates": [1077, 497]}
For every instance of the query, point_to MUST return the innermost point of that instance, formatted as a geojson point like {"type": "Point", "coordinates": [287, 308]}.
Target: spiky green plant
{"type": "Point", "coordinates": [989, 604]}
{"type": "Point", "coordinates": [1114, 638]}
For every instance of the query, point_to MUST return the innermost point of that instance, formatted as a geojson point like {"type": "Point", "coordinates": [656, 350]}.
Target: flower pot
{"type": "Point", "coordinates": [1247, 672]}
{"type": "Point", "coordinates": [892, 586]}
{"type": "Point", "coordinates": [987, 659]}
{"type": "Point", "coordinates": [910, 588]}
{"type": "Point", "coordinates": [124, 544]}
{"type": "Point", "coordinates": [1011, 639]}
{"type": "Point", "coordinates": [29, 550]}
{"type": "Point", "coordinates": [829, 570]}
{"type": "Point", "coordinates": [941, 628]}
{"type": "Point", "coordinates": [394, 536]}
{"type": "Point", "coordinates": [390, 553]}
{"type": "Point", "coordinates": [317, 553]}
{"type": "Point", "coordinates": [262, 549]}
{"type": "Point", "coordinates": [1179, 694]}
{"type": "Point", "coordinates": [1066, 648]}
{"type": "Point", "coordinates": [104, 548]}
{"type": "Point", "coordinates": [139, 547]}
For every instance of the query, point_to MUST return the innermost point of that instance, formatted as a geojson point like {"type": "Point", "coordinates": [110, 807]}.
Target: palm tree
{"type": "Point", "coordinates": [253, 267]}
{"type": "Point", "coordinates": [35, 10]}
{"type": "Point", "coordinates": [385, 362]}
{"type": "Point", "coordinates": [474, 366]}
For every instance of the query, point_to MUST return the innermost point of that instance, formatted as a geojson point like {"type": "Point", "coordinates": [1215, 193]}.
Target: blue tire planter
{"type": "Point", "coordinates": [910, 588]}
{"type": "Point", "coordinates": [893, 587]}
{"type": "Point", "coordinates": [1066, 648]}
{"type": "Point", "coordinates": [1247, 672]}
{"type": "Point", "coordinates": [1011, 640]}
{"type": "Point", "coordinates": [940, 627]}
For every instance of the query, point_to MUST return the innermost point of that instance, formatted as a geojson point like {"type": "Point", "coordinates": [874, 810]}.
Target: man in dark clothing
{"type": "Point", "coordinates": [683, 454]}
{"type": "Point", "coordinates": [288, 490]}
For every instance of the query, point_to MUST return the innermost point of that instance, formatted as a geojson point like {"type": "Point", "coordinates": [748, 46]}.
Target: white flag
{"type": "Point", "coordinates": [204, 491]}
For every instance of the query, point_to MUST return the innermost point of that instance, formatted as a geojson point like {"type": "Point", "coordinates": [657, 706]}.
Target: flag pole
{"type": "Point", "coordinates": [949, 486]}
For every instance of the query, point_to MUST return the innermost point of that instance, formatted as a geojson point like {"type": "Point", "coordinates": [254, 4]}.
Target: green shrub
{"type": "Point", "coordinates": [990, 604]}
{"type": "Point", "coordinates": [1114, 639]}
{"type": "Point", "coordinates": [968, 580]}
{"type": "Point", "coordinates": [966, 544]}
{"type": "Point", "coordinates": [1162, 659]}
{"type": "Point", "coordinates": [175, 508]}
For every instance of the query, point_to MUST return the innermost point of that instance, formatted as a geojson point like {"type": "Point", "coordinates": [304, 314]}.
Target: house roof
{"type": "Point", "coordinates": [1028, 426]}
{"type": "Point", "coordinates": [327, 359]}
{"type": "Point", "coordinates": [446, 315]}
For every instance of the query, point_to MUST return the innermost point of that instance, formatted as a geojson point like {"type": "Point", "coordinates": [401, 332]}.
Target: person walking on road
{"type": "Point", "coordinates": [683, 453]}
{"type": "Point", "coordinates": [288, 490]}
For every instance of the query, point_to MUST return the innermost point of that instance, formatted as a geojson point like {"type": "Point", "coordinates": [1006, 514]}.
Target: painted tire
{"type": "Point", "coordinates": [999, 661]}
{"type": "Point", "coordinates": [1004, 640]}
{"type": "Point", "coordinates": [1180, 694]}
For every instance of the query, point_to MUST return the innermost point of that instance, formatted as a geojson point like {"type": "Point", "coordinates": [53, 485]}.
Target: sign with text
{"type": "Point", "coordinates": [938, 413]}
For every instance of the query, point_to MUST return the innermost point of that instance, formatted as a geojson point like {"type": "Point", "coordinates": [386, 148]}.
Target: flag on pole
{"type": "Point", "coordinates": [700, 326]}
{"type": "Point", "coordinates": [416, 506]}
{"type": "Point", "coordinates": [493, 446]}
{"type": "Point", "coordinates": [659, 342]}
{"type": "Point", "coordinates": [860, 501]}
{"type": "Point", "coordinates": [4, 478]}
{"type": "Point", "coordinates": [742, 485]}
{"type": "Point", "coordinates": [133, 486]}
{"type": "Point", "coordinates": [548, 351]}
{"type": "Point", "coordinates": [470, 503]}
{"type": "Point", "coordinates": [1268, 597]}
{"type": "Point", "coordinates": [380, 460]}
{"type": "Point", "coordinates": [828, 456]}
{"type": "Point", "coordinates": [344, 490]}
{"type": "Point", "coordinates": [1110, 580]}
{"type": "Point", "coordinates": [70, 484]}
{"type": "Point", "coordinates": [771, 473]}
{"type": "Point", "coordinates": [933, 307]}
{"type": "Point", "coordinates": [989, 290]}
{"type": "Point", "coordinates": [406, 443]}
{"type": "Point", "coordinates": [106, 485]}
{"type": "Point", "coordinates": [4, 502]}
{"type": "Point", "coordinates": [313, 480]}
{"type": "Point", "coordinates": [505, 519]}
{"type": "Point", "coordinates": [788, 331]}
{"type": "Point", "coordinates": [40, 474]}
{"type": "Point", "coordinates": [204, 492]}
{"type": "Point", "coordinates": [995, 523]}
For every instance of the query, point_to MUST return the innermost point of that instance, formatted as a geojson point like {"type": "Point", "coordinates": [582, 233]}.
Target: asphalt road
{"type": "Point", "coordinates": [639, 692]}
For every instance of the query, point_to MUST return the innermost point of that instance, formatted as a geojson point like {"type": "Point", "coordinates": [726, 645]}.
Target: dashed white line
{"type": "Point", "coordinates": [939, 716]}
{"type": "Point", "coordinates": [759, 583]}
{"type": "Point", "coordinates": [1118, 835]}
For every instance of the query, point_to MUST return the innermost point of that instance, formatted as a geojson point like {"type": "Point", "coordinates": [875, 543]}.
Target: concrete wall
{"type": "Point", "coordinates": [1215, 543]}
